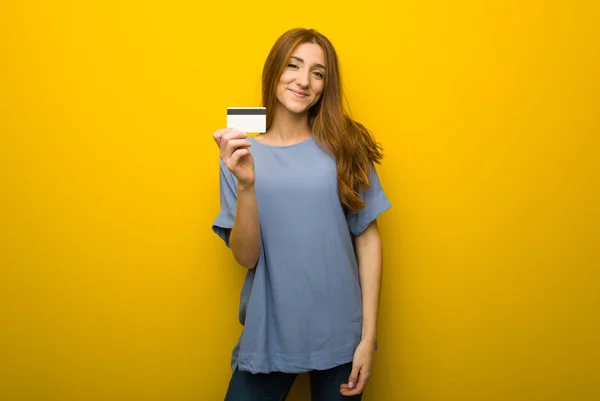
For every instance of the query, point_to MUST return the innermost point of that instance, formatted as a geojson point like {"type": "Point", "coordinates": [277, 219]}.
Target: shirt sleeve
{"type": "Point", "coordinates": [376, 202]}
{"type": "Point", "coordinates": [228, 199]}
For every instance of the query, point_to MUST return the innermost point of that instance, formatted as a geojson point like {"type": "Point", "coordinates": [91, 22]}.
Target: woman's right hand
{"type": "Point", "coordinates": [234, 151]}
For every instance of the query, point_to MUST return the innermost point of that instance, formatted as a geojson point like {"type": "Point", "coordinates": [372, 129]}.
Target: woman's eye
{"type": "Point", "coordinates": [318, 74]}
{"type": "Point", "coordinates": [292, 65]}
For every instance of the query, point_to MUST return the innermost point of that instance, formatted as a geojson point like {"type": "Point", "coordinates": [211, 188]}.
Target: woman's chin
{"type": "Point", "coordinates": [296, 108]}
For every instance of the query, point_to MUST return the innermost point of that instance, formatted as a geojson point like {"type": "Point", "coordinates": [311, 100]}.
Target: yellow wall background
{"type": "Point", "coordinates": [113, 286]}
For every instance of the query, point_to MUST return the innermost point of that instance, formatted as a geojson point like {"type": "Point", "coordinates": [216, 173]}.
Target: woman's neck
{"type": "Point", "coordinates": [287, 128]}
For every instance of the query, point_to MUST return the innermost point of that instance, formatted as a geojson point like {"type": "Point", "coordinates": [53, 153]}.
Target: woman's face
{"type": "Point", "coordinates": [303, 79]}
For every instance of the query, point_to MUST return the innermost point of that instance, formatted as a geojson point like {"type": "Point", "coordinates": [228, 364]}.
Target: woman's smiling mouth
{"type": "Point", "coordinates": [299, 94]}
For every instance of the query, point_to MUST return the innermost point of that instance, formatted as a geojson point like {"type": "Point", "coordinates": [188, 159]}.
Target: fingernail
{"type": "Point", "coordinates": [351, 385]}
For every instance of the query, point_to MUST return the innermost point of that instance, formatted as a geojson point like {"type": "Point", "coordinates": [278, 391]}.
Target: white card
{"type": "Point", "coordinates": [247, 119]}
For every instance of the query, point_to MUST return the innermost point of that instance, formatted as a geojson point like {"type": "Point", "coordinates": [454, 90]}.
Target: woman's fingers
{"type": "Point", "coordinates": [353, 379]}
{"type": "Point", "coordinates": [232, 145]}
{"type": "Point", "coordinates": [219, 134]}
{"type": "Point", "coordinates": [356, 383]}
{"type": "Point", "coordinates": [235, 158]}
{"type": "Point", "coordinates": [229, 136]}
{"type": "Point", "coordinates": [358, 388]}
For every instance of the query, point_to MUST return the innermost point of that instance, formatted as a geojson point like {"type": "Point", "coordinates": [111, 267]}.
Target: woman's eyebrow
{"type": "Point", "coordinates": [302, 61]}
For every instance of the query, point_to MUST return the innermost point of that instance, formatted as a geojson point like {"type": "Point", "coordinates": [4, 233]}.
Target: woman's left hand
{"type": "Point", "coordinates": [361, 369]}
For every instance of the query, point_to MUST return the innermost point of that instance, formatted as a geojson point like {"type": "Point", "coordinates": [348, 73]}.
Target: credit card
{"type": "Point", "coordinates": [247, 119]}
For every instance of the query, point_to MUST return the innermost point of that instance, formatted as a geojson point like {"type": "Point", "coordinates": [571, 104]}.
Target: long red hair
{"type": "Point", "coordinates": [349, 142]}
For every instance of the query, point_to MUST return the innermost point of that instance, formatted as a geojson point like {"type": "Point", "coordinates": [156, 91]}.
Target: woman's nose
{"type": "Point", "coordinates": [302, 80]}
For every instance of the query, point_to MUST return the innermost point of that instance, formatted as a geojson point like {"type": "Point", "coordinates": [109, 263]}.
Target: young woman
{"type": "Point", "coordinates": [299, 205]}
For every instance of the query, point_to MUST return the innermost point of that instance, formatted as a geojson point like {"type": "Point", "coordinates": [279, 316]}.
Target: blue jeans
{"type": "Point", "coordinates": [324, 385]}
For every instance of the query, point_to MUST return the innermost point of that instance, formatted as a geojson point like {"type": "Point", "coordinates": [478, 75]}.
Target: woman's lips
{"type": "Point", "coordinates": [299, 94]}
